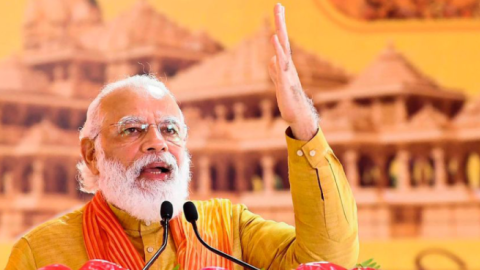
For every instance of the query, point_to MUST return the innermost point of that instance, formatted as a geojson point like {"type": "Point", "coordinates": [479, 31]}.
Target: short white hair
{"type": "Point", "coordinates": [142, 84]}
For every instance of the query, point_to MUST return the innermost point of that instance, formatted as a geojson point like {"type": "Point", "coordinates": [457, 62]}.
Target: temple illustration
{"type": "Point", "coordinates": [410, 147]}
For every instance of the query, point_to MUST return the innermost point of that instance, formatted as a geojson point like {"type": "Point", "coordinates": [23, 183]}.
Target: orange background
{"type": "Point", "coordinates": [446, 51]}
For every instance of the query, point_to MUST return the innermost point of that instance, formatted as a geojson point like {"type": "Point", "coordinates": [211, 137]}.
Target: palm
{"type": "Point", "coordinates": [293, 104]}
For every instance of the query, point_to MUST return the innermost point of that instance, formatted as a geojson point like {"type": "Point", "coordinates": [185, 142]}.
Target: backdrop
{"type": "Point", "coordinates": [395, 83]}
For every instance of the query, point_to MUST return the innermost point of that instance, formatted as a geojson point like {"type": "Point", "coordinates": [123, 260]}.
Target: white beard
{"type": "Point", "coordinates": [139, 197]}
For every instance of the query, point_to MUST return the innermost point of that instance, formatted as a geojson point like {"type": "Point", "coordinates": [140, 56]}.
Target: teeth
{"type": "Point", "coordinates": [156, 172]}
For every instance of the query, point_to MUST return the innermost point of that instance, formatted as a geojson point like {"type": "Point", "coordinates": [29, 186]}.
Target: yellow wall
{"type": "Point", "coordinates": [5, 249]}
{"type": "Point", "coordinates": [401, 254]}
{"type": "Point", "coordinates": [451, 56]}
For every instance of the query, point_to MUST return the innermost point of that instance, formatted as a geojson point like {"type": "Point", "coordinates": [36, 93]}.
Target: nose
{"type": "Point", "coordinates": [154, 141]}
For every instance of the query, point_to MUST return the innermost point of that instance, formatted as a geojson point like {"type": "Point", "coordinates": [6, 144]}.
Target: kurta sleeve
{"type": "Point", "coordinates": [21, 257]}
{"type": "Point", "coordinates": [325, 214]}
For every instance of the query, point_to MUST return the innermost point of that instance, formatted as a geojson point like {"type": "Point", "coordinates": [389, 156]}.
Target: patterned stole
{"type": "Point", "coordinates": [215, 227]}
{"type": "Point", "coordinates": [105, 238]}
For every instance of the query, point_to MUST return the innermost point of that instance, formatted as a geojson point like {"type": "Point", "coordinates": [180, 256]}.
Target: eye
{"type": "Point", "coordinates": [130, 129]}
{"type": "Point", "coordinates": [170, 129]}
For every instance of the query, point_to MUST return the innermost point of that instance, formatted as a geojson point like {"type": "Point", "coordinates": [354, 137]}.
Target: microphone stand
{"type": "Point", "coordinates": [166, 211]}
{"type": "Point", "coordinates": [164, 244]}
{"type": "Point", "coordinates": [191, 215]}
{"type": "Point", "coordinates": [219, 253]}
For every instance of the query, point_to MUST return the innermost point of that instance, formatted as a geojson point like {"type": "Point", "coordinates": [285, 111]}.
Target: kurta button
{"type": "Point", "coordinates": [312, 153]}
{"type": "Point", "coordinates": [299, 153]}
{"type": "Point", "coordinates": [150, 249]}
{"type": "Point", "coordinates": [147, 223]}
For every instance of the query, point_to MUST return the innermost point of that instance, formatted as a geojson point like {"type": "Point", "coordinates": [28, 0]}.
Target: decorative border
{"type": "Point", "coordinates": [408, 25]}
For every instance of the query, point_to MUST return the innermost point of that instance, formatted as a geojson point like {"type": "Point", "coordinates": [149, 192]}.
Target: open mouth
{"type": "Point", "coordinates": [157, 170]}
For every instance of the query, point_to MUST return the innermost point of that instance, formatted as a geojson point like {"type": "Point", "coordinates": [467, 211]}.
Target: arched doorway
{"type": "Point", "coordinates": [392, 171]}
{"type": "Point", "coordinates": [25, 185]}
{"type": "Point", "coordinates": [281, 175]}
{"type": "Point", "coordinates": [56, 182]}
{"type": "Point", "coordinates": [369, 173]}
{"type": "Point", "coordinates": [423, 173]}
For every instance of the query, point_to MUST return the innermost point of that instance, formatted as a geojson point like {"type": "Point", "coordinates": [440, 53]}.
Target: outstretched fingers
{"type": "Point", "coordinates": [282, 59]}
{"type": "Point", "coordinates": [281, 28]}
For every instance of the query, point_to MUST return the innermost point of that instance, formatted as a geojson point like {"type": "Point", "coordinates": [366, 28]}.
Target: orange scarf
{"type": "Point", "coordinates": [105, 239]}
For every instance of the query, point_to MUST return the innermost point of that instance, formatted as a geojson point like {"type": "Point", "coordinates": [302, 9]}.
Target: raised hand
{"type": "Point", "coordinates": [295, 107]}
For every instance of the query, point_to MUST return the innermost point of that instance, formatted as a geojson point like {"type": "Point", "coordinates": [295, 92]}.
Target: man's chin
{"type": "Point", "coordinates": [151, 186]}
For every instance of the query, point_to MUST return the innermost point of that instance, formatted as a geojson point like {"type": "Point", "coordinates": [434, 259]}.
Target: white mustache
{"type": "Point", "coordinates": [167, 158]}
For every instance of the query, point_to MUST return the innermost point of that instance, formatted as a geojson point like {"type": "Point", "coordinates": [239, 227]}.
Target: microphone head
{"type": "Point", "coordinates": [190, 212]}
{"type": "Point", "coordinates": [166, 210]}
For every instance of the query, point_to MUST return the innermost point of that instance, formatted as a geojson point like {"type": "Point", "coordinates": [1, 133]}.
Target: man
{"type": "Point", "coordinates": [134, 158]}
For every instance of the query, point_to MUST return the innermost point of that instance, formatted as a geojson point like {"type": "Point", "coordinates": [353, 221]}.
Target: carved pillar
{"type": "Point", "coordinates": [404, 176]}
{"type": "Point", "coordinates": [268, 173]}
{"type": "Point", "coordinates": [401, 113]}
{"type": "Point", "coordinates": [221, 113]}
{"type": "Point", "coordinates": [58, 73]}
{"type": "Point", "coordinates": [18, 177]}
{"type": "Point", "coordinates": [440, 167]}
{"type": "Point", "coordinates": [381, 164]}
{"type": "Point", "coordinates": [74, 72]}
{"type": "Point", "coordinates": [36, 178]}
{"type": "Point", "coordinates": [9, 185]}
{"type": "Point", "coordinates": [54, 115]}
{"type": "Point", "coordinates": [266, 108]}
{"type": "Point", "coordinates": [204, 179]}
{"type": "Point", "coordinates": [222, 172]}
{"type": "Point", "coordinates": [72, 183]}
{"type": "Point", "coordinates": [460, 177]}
{"type": "Point", "coordinates": [21, 115]}
{"type": "Point", "coordinates": [351, 159]}
{"type": "Point", "coordinates": [241, 181]}
{"type": "Point", "coordinates": [239, 111]}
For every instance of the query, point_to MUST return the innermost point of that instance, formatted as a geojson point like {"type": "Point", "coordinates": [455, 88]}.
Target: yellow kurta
{"type": "Point", "coordinates": [325, 224]}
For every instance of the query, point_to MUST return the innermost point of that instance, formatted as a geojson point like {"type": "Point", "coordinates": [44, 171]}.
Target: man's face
{"type": "Point", "coordinates": [126, 109]}
{"type": "Point", "coordinates": [139, 164]}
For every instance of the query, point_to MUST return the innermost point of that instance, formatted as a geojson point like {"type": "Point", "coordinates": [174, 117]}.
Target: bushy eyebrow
{"type": "Point", "coordinates": [140, 119]}
{"type": "Point", "coordinates": [171, 119]}
{"type": "Point", "coordinates": [132, 118]}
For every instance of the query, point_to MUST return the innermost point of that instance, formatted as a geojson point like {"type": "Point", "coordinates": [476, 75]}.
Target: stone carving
{"type": "Point", "coordinates": [378, 122]}
{"type": "Point", "coordinates": [372, 10]}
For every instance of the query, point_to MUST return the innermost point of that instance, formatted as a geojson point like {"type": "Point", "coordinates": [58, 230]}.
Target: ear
{"type": "Point", "coordinates": [88, 155]}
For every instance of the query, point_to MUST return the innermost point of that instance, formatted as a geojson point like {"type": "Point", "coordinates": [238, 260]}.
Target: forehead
{"type": "Point", "coordinates": [125, 102]}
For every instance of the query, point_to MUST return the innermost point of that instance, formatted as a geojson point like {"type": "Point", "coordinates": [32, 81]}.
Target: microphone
{"type": "Point", "coordinates": [166, 212]}
{"type": "Point", "coordinates": [191, 215]}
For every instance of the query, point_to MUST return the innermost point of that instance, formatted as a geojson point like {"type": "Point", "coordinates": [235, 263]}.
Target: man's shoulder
{"type": "Point", "coordinates": [59, 240]}
{"type": "Point", "coordinates": [66, 226]}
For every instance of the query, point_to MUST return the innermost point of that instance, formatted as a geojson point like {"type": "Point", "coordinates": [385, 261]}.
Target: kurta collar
{"type": "Point", "coordinates": [132, 225]}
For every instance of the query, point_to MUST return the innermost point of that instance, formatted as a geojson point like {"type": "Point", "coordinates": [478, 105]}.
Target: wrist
{"type": "Point", "coordinates": [304, 131]}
